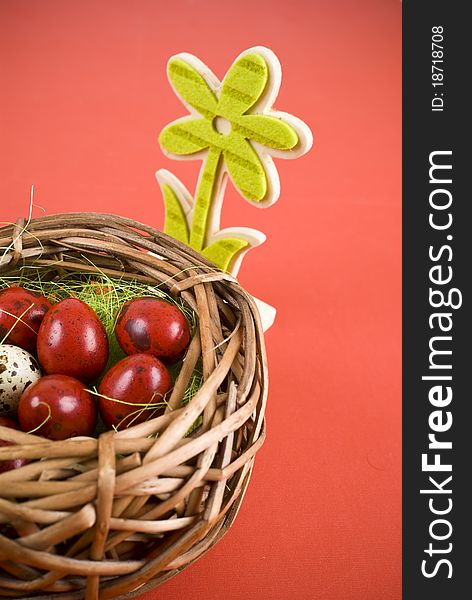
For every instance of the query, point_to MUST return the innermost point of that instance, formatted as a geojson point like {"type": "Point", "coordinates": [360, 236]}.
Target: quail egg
{"type": "Point", "coordinates": [18, 370]}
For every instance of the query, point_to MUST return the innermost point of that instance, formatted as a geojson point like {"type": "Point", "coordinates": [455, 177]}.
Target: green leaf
{"type": "Point", "coordinates": [192, 87]}
{"type": "Point", "coordinates": [243, 85]}
{"type": "Point", "coordinates": [268, 131]}
{"type": "Point", "coordinates": [187, 136]}
{"type": "Point", "coordinates": [245, 168]}
{"type": "Point", "coordinates": [222, 252]}
{"type": "Point", "coordinates": [175, 223]}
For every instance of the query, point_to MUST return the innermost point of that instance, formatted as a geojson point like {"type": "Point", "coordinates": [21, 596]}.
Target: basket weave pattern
{"type": "Point", "coordinates": [133, 508]}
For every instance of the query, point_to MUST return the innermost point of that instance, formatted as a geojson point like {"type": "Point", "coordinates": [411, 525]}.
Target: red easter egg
{"type": "Point", "coordinates": [21, 312]}
{"type": "Point", "coordinates": [136, 380]}
{"type": "Point", "coordinates": [152, 326]}
{"type": "Point", "coordinates": [60, 405]}
{"type": "Point", "coordinates": [72, 341]}
{"type": "Point", "coordinates": [14, 463]}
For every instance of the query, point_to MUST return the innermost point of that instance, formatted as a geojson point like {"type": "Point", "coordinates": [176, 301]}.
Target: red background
{"type": "Point", "coordinates": [83, 98]}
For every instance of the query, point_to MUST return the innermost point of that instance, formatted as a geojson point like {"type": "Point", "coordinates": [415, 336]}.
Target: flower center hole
{"type": "Point", "coordinates": [222, 125]}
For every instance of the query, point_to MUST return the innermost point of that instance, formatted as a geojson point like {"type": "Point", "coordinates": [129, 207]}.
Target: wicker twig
{"type": "Point", "coordinates": [111, 517]}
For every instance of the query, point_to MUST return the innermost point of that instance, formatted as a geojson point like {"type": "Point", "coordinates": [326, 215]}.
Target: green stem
{"type": "Point", "coordinates": [204, 198]}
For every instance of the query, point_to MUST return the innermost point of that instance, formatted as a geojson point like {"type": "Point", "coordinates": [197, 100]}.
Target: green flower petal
{"type": "Point", "coordinates": [192, 87]}
{"type": "Point", "coordinates": [175, 222]}
{"type": "Point", "coordinates": [268, 131]}
{"type": "Point", "coordinates": [243, 86]}
{"type": "Point", "coordinates": [187, 137]}
{"type": "Point", "coordinates": [245, 168]}
{"type": "Point", "coordinates": [222, 252]}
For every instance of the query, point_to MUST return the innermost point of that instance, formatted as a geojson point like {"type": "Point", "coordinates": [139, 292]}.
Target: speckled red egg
{"type": "Point", "coordinates": [140, 379]}
{"type": "Point", "coordinates": [21, 314]}
{"type": "Point", "coordinates": [72, 341]}
{"type": "Point", "coordinates": [60, 405]}
{"type": "Point", "coordinates": [152, 326]}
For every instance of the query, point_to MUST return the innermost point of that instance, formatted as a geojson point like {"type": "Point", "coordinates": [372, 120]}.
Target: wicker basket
{"type": "Point", "coordinates": [145, 505]}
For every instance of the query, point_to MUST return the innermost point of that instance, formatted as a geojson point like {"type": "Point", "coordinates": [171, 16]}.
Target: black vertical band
{"type": "Point", "coordinates": [437, 332]}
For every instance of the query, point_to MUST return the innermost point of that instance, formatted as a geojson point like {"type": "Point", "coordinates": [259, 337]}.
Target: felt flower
{"type": "Point", "coordinates": [233, 129]}
{"type": "Point", "coordinates": [234, 121]}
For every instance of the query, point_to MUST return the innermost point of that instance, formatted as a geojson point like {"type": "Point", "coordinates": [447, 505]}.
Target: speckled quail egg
{"type": "Point", "coordinates": [18, 370]}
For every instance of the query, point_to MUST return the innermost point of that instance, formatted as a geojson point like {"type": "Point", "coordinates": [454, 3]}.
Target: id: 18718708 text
{"type": "Point", "coordinates": [437, 68]}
